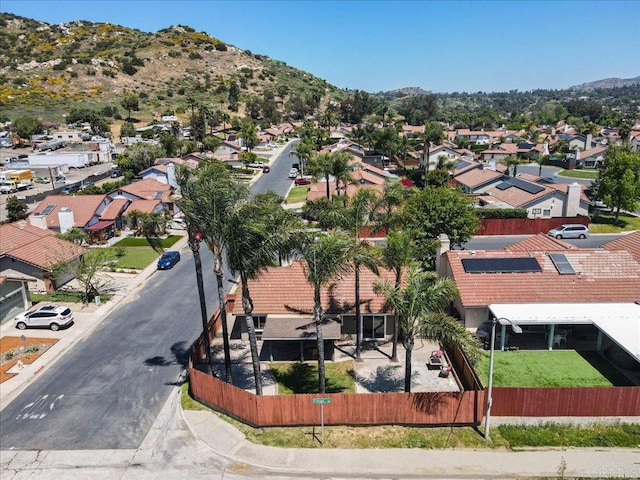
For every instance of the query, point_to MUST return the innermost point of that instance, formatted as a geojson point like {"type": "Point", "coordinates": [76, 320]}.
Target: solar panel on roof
{"type": "Point", "coordinates": [528, 187]}
{"type": "Point", "coordinates": [48, 209]}
{"type": "Point", "coordinates": [462, 164]}
{"type": "Point", "coordinates": [501, 265]}
{"type": "Point", "coordinates": [563, 265]}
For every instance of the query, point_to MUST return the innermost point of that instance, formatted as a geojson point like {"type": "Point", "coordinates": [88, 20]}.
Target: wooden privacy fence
{"type": "Point", "coordinates": [420, 408]}
{"type": "Point", "coordinates": [524, 226]}
{"type": "Point", "coordinates": [566, 402]}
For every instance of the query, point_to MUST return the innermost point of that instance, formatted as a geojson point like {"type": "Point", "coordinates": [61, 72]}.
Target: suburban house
{"type": "Point", "coordinates": [61, 213]}
{"type": "Point", "coordinates": [541, 200]}
{"type": "Point", "coordinates": [227, 151]}
{"type": "Point", "coordinates": [551, 290]}
{"type": "Point", "coordinates": [480, 137]}
{"type": "Point", "coordinates": [284, 321]}
{"type": "Point", "coordinates": [477, 180]}
{"type": "Point", "coordinates": [592, 157]}
{"type": "Point", "coordinates": [525, 150]}
{"type": "Point", "coordinates": [578, 141]}
{"type": "Point", "coordinates": [364, 176]}
{"type": "Point", "coordinates": [148, 189]}
{"type": "Point", "coordinates": [28, 254]}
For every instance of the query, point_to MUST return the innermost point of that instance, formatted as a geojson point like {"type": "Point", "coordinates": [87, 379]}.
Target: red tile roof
{"type": "Point", "coordinates": [629, 242]}
{"type": "Point", "coordinates": [114, 209]}
{"type": "Point", "coordinates": [35, 246]}
{"type": "Point", "coordinates": [148, 189]}
{"type": "Point", "coordinates": [601, 276]}
{"type": "Point", "coordinates": [477, 177]}
{"type": "Point", "coordinates": [285, 290]}
{"type": "Point", "coordinates": [84, 208]}
{"type": "Point", "coordinates": [143, 206]}
{"type": "Point", "coordinates": [540, 243]}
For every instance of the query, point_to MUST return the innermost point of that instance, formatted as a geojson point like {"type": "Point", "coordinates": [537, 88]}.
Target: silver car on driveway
{"type": "Point", "coordinates": [49, 316]}
{"type": "Point", "coordinates": [570, 231]}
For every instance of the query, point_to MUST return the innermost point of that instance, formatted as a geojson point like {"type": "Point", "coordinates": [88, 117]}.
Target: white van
{"type": "Point", "coordinates": [570, 231]}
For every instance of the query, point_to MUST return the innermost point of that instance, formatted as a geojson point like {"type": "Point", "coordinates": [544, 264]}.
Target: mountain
{"type": "Point", "coordinates": [48, 69]}
{"type": "Point", "coordinates": [607, 83]}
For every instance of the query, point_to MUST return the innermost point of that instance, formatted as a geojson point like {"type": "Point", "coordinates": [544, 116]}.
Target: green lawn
{"type": "Point", "coordinates": [604, 222]}
{"type": "Point", "coordinates": [298, 194]}
{"type": "Point", "coordinates": [566, 368]}
{"type": "Point", "coordinates": [143, 242]}
{"type": "Point", "coordinates": [136, 257]}
{"type": "Point", "coordinates": [589, 174]}
{"type": "Point", "coordinates": [63, 296]}
{"type": "Point", "coordinates": [302, 377]}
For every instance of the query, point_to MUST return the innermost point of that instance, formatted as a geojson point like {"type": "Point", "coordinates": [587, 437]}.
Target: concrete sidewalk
{"type": "Point", "coordinates": [229, 443]}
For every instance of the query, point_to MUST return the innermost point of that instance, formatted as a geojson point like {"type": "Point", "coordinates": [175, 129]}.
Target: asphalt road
{"type": "Point", "coordinates": [500, 242]}
{"type": "Point", "coordinates": [106, 392]}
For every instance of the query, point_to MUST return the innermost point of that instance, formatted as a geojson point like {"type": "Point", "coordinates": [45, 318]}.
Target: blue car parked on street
{"type": "Point", "coordinates": [168, 260]}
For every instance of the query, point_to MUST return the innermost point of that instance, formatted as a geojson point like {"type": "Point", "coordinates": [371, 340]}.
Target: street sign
{"type": "Point", "coordinates": [321, 400]}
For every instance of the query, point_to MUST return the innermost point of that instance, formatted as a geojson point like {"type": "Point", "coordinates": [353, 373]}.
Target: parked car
{"type": "Point", "coordinates": [266, 169]}
{"type": "Point", "coordinates": [302, 181]}
{"type": "Point", "coordinates": [8, 187]}
{"type": "Point", "coordinates": [69, 189]}
{"type": "Point", "coordinates": [42, 180]}
{"type": "Point", "coordinates": [115, 173]}
{"type": "Point", "coordinates": [49, 316]}
{"type": "Point", "coordinates": [178, 224]}
{"type": "Point", "coordinates": [293, 173]}
{"type": "Point", "coordinates": [256, 165]}
{"type": "Point", "coordinates": [570, 231]}
{"type": "Point", "coordinates": [168, 260]}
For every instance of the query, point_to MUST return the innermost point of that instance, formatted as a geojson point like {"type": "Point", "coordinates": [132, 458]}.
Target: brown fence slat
{"type": "Point", "coordinates": [523, 226]}
{"type": "Point", "coordinates": [566, 401]}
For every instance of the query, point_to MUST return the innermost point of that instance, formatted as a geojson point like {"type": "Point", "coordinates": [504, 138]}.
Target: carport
{"type": "Point", "coordinates": [620, 322]}
{"type": "Point", "coordinates": [301, 330]}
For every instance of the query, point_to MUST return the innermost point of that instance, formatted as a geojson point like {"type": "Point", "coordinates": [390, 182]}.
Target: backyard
{"type": "Point", "coordinates": [558, 368]}
{"type": "Point", "coordinates": [302, 377]}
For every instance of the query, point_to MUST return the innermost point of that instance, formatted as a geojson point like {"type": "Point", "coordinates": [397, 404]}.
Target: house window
{"type": "Point", "coordinates": [373, 326]}
{"type": "Point", "coordinates": [259, 321]}
{"type": "Point", "coordinates": [537, 211]}
{"type": "Point", "coordinates": [546, 212]}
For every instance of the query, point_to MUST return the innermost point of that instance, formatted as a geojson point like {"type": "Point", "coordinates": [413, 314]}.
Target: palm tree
{"type": "Point", "coordinates": [341, 169]}
{"type": "Point", "coordinates": [512, 161]}
{"type": "Point", "coordinates": [303, 151]}
{"type": "Point", "coordinates": [184, 177]}
{"type": "Point", "coordinates": [541, 160]}
{"type": "Point", "coordinates": [398, 253]}
{"type": "Point", "coordinates": [326, 257]}
{"type": "Point", "coordinates": [329, 119]}
{"type": "Point", "coordinates": [321, 166]}
{"type": "Point", "coordinates": [258, 234]}
{"type": "Point", "coordinates": [419, 306]}
{"type": "Point", "coordinates": [215, 195]}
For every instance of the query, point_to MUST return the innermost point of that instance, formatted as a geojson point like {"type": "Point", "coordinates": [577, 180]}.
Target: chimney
{"type": "Point", "coordinates": [588, 142]}
{"type": "Point", "coordinates": [65, 216]}
{"type": "Point", "coordinates": [572, 203]}
{"type": "Point", "coordinates": [38, 220]}
{"type": "Point", "coordinates": [171, 175]}
{"type": "Point", "coordinates": [444, 246]}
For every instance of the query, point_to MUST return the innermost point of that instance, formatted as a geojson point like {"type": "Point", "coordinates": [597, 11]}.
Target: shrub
{"type": "Point", "coordinates": [10, 354]}
{"type": "Point", "coordinates": [32, 349]}
{"type": "Point", "coordinates": [501, 213]}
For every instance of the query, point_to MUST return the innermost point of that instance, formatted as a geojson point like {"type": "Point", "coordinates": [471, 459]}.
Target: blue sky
{"type": "Point", "coordinates": [376, 45]}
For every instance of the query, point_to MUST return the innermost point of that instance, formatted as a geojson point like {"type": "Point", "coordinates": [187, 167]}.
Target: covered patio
{"type": "Point", "coordinates": [294, 338]}
{"type": "Point", "coordinates": [597, 325]}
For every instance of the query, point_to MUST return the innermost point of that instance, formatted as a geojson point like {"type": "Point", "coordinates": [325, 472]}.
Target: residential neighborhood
{"type": "Point", "coordinates": [247, 252]}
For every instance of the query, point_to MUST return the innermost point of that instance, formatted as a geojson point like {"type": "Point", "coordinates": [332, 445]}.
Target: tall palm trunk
{"type": "Point", "coordinates": [317, 318]}
{"type": "Point", "coordinates": [396, 326]}
{"type": "Point", "coordinates": [408, 348]}
{"type": "Point", "coordinates": [247, 306]}
{"type": "Point", "coordinates": [326, 177]}
{"type": "Point", "coordinates": [194, 245]}
{"type": "Point", "coordinates": [358, 314]}
{"type": "Point", "coordinates": [217, 270]}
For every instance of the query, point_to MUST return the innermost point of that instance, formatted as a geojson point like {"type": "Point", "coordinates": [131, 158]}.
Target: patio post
{"type": "Point", "coordinates": [516, 329]}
